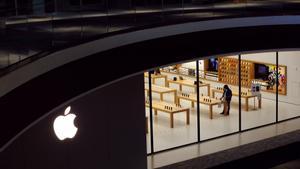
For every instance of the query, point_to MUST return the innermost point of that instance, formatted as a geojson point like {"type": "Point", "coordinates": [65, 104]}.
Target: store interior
{"type": "Point", "coordinates": [175, 96]}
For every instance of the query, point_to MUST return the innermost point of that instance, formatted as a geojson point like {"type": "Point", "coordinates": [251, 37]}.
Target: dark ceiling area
{"type": "Point", "coordinates": [35, 98]}
{"type": "Point", "coordinates": [31, 27]}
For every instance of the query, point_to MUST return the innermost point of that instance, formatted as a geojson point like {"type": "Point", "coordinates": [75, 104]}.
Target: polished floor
{"type": "Point", "coordinates": [182, 134]}
{"type": "Point", "coordinates": [219, 144]}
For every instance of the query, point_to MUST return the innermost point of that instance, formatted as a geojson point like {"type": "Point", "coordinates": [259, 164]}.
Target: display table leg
{"type": "Point", "coordinates": [193, 105]}
{"type": "Point", "coordinates": [259, 103]}
{"type": "Point", "coordinates": [180, 87]}
{"type": "Point", "coordinates": [188, 116]}
{"type": "Point", "coordinates": [171, 120]}
{"type": "Point", "coordinates": [213, 94]}
{"type": "Point", "coordinates": [210, 112]}
{"type": "Point", "coordinates": [161, 97]}
{"type": "Point", "coordinates": [178, 101]}
{"type": "Point", "coordinates": [166, 82]}
{"type": "Point", "coordinates": [208, 90]}
{"type": "Point", "coordinates": [175, 98]}
{"type": "Point", "coordinates": [247, 104]}
{"type": "Point", "coordinates": [155, 111]}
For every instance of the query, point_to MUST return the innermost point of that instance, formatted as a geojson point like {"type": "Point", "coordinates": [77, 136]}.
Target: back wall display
{"type": "Point", "coordinates": [264, 73]}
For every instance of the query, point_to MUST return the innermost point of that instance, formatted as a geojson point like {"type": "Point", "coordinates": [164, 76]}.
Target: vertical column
{"type": "Point", "coordinates": [240, 103]}
{"type": "Point", "coordinates": [198, 101]}
{"type": "Point", "coordinates": [150, 111]}
{"type": "Point", "coordinates": [277, 83]}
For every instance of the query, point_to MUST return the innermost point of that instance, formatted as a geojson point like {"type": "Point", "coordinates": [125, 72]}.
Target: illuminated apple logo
{"type": "Point", "coordinates": [64, 125]}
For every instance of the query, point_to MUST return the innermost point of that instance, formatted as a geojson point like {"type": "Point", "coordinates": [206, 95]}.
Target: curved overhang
{"type": "Point", "coordinates": [59, 66]}
{"type": "Point", "coordinates": [57, 59]}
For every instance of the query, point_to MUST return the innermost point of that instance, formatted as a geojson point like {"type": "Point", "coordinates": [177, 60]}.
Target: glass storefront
{"type": "Point", "coordinates": [288, 85]}
{"type": "Point", "coordinates": [204, 99]}
{"type": "Point", "coordinates": [219, 112]}
{"type": "Point", "coordinates": [258, 107]}
{"type": "Point", "coordinates": [174, 98]}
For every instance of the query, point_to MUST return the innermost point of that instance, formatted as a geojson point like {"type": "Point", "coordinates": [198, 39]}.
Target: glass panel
{"type": "Point", "coordinates": [7, 8]}
{"type": "Point", "coordinates": [195, 9]}
{"type": "Point", "coordinates": [33, 24]}
{"type": "Point", "coordinates": [16, 26]}
{"type": "Point", "coordinates": [31, 7]}
{"type": "Point", "coordinates": [67, 25]}
{"type": "Point", "coordinates": [148, 11]}
{"type": "Point", "coordinates": [67, 6]}
{"type": "Point", "coordinates": [197, 4]}
{"type": "Point", "coordinates": [173, 4]}
{"type": "Point", "coordinates": [121, 14]}
{"type": "Point", "coordinates": [258, 74]}
{"type": "Point", "coordinates": [263, 7]}
{"type": "Point", "coordinates": [289, 85]}
{"type": "Point", "coordinates": [40, 26]}
{"type": "Point", "coordinates": [292, 6]}
{"type": "Point", "coordinates": [146, 6]}
{"type": "Point", "coordinates": [174, 106]}
{"type": "Point", "coordinates": [230, 8]}
{"type": "Point", "coordinates": [94, 13]}
{"type": "Point", "coordinates": [66, 30]}
{"type": "Point", "coordinates": [173, 9]}
{"type": "Point", "coordinates": [24, 7]}
{"type": "Point", "coordinates": [219, 115]}
{"type": "Point", "coordinates": [49, 6]}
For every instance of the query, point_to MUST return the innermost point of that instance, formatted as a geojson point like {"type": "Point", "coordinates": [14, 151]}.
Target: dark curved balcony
{"type": "Point", "coordinates": [33, 29]}
{"type": "Point", "coordinates": [26, 37]}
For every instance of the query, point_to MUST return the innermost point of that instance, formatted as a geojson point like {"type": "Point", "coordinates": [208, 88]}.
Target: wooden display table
{"type": "Point", "coordinates": [171, 109]}
{"type": "Point", "coordinates": [203, 100]}
{"type": "Point", "coordinates": [161, 91]}
{"type": "Point", "coordinates": [189, 83]}
{"type": "Point", "coordinates": [156, 76]}
{"type": "Point", "coordinates": [246, 95]}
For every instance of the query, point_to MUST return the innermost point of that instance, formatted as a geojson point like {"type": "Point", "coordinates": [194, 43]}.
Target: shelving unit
{"type": "Point", "coordinates": [229, 71]}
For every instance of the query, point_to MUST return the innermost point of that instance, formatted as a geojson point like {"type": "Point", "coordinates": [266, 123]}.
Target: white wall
{"type": "Point", "coordinates": [190, 65]}
{"type": "Point", "coordinates": [266, 57]}
{"type": "Point", "coordinates": [292, 61]}
{"type": "Point", "coordinates": [232, 56]}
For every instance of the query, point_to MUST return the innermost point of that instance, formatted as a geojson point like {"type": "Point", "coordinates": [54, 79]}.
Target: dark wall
{"type": "Point", "coordinates": [72, 79]}
{"type": "Point", "coordinates": [111, 126]}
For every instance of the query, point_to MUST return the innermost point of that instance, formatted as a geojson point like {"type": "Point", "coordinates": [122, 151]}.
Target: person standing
{"type": "Point", "coordinates": [226, 97]}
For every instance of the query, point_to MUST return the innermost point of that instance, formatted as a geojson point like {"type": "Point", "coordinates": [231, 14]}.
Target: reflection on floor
{"type": "Point", "coordinates": [223, 143]}
{"type": "Point", "coordinates": [166, 137]}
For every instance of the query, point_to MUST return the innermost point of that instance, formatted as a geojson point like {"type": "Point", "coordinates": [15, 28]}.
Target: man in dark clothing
{"type": "Point", "coordinates": [227, 95]}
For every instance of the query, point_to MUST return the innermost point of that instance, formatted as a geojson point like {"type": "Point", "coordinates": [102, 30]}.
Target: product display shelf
{"type": "Point", "coordinates": [229, 71]}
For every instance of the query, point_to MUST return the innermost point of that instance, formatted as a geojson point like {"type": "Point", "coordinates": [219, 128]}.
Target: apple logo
{"type": "Point", "coordinates": [64, 125]}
